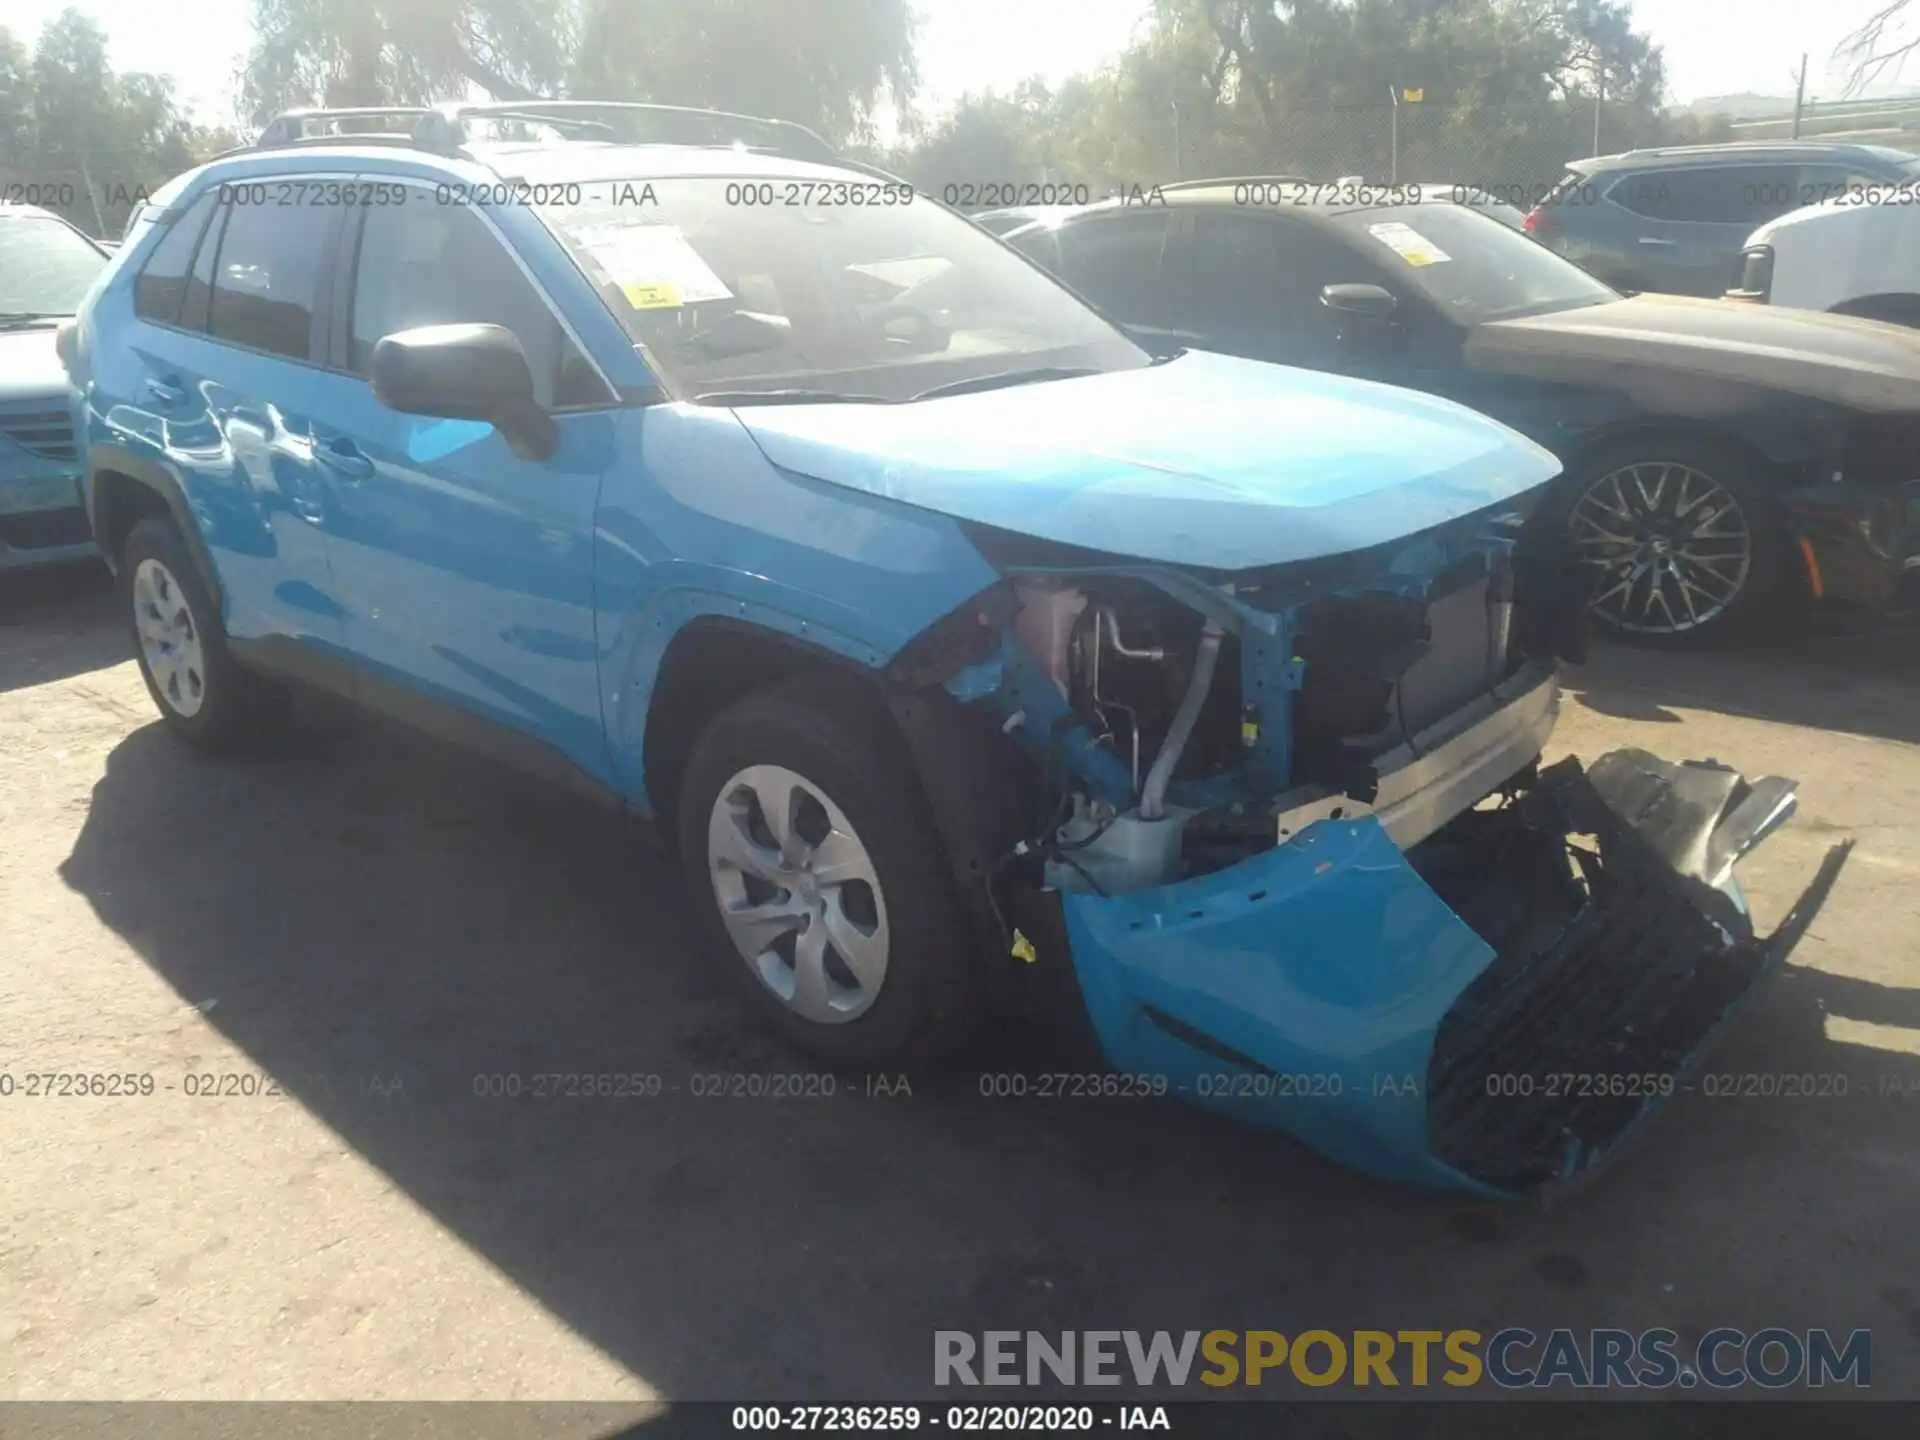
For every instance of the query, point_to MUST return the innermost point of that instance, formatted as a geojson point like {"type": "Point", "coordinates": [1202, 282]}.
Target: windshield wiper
{"type": "Point", "coordinates": [786, 397]}
{"type": "Point", "coordinates": [1008, 377]}
{"type": "Point", "coordinates": [11, 319]}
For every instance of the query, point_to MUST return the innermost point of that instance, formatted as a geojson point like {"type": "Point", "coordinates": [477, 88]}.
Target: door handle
{"type": "Point", "coordinates": [166, 392]}
{"type": "Point", "coordinates": [343, 457]}
{"type": "Point", "coordinates": [1655, 240]}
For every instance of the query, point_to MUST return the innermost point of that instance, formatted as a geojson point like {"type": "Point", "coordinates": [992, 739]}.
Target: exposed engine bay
{"type": "Point", "coordinates": [1180, 727]}
{"type": "Point", "coordinates": [1284, 838]}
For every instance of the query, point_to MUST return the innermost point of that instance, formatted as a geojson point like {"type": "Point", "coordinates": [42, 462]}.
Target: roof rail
{"type": "Point", "coordinates": [642, 124]}
{"type": "Point", "coordinates": [290, 126]}
{"type": "Point", "coordinates": [443, 127]}
{"type": "Point", "coordinates": [1785, 145]}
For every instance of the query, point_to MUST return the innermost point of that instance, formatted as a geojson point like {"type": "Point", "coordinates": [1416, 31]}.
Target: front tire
{"type": "Point", "coordinates": [811, 857]}
{"type": "Point", "coordinates": [1683, 539]}
{"type": "Point", "coordinates": [202, 694]}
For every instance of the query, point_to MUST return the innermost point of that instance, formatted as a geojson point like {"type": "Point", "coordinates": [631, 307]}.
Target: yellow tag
{"type": "Point", "coordinates": [1249, 733]}
{"type": "Point", "coordinates": [651, 297]}
{"type": "Point", "coordinates": [1023, 948]}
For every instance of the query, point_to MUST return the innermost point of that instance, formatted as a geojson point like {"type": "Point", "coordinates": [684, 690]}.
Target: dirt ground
{"type": "Point", "coordinates": [367, 922]}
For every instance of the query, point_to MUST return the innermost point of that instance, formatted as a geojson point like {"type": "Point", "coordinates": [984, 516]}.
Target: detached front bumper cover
{"type": "Point", "coordinates": [1495, 1011]}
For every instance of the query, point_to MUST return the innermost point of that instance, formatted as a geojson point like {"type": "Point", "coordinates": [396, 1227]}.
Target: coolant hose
{"type": "Point", "coordinates": [1153, 795]}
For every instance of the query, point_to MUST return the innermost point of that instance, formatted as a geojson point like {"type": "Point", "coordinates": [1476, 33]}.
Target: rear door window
{"type": "Point", "coordinates": [1748, 195]}
{"type": "Point", "coordinates": [1116, 262]}
{"type": "Point", "coordinates": [266, 280]}
{"type": "Point", "coordinates": [1830, 182]}
{"type": "Point", "coordinates": [162, 281]}
{"type": "Point", "coordinates": [1252, 273]}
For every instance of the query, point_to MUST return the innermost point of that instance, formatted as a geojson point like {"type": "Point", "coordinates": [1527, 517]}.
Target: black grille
{"type": "Point", "coordinates": [1579, 1029]}
{"type": "Point", "coordinates": [46, 433]}
{"type": "Point", "coordinates": [45, 529]}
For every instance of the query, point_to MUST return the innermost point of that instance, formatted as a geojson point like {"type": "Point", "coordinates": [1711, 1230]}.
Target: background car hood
{"type": "Point", "coordinates": [1206, 460]}
{"type": "Point", "coordinates": [1859, 363]}
{"type": "Point", "coordinates": [30, 367]}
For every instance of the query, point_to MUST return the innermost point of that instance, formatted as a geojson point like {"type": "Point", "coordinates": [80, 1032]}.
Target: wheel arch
{"type": "Point", "coordinates": [711, 662]}
{"type": "Point", "coordinates": [969, 775]}
{"type": "Point", "coordinates": [121, 489]}
{"type": "Point", "coordinates": [1772, 467]}
{"type": "Point", "coordinates": [1895, 307]}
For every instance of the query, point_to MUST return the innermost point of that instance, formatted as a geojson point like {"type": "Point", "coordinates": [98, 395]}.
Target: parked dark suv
{"type": "Point", "coordinates": [1676, 220]}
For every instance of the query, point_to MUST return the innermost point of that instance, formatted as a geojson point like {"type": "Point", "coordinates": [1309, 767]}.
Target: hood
{"type": "Point", "coordinates": [1649, 341]}
{"type": "Point", "coordinates": [30, 367]}
{"type": "Point", "coordinates": [1205, 460]}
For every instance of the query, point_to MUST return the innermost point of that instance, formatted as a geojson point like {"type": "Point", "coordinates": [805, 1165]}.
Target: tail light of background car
{"type": "Point", "coordinates": [1541, 223]}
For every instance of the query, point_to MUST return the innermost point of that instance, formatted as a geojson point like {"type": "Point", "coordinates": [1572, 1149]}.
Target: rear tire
{"type": "Point", "coordinates": [872, 968]}
{"type": "Point", "coordinates": [204, 696]}
{"type": "Point", "coordinates": [1685, 540]}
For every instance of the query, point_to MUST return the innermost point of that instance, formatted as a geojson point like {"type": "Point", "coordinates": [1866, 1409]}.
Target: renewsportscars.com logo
{"type": "Point", "coordinates": [1514, 1358]}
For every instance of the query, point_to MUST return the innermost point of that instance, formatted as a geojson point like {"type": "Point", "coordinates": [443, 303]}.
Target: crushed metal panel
{"type": "Point", "coordinates": [1328, 988]}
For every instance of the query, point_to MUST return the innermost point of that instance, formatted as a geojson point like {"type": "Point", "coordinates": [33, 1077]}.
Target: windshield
{"type": "Point", "coordinates": [1471, 267]}
{"type": "Point", "coordinates": [45, 267]}
{"type": "Point", "coordinates": [746, 286]}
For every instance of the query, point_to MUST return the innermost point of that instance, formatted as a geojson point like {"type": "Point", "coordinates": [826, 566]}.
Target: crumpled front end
{"type": "Point", "coordinates": [1283, 838]}
{"type": "Point", "coordinates": [1495, 1011]}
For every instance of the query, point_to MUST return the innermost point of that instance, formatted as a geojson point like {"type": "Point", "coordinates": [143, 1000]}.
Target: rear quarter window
{"type": "Point", "coordinates": [162, 282]}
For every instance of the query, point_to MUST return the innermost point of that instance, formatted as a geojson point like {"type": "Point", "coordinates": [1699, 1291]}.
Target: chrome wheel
{"type": "Point", "coordinates": [1672, 546]}
{"type": "Point", "coordinates": [169, 638]}
{"type": "Point", "coordinates": [798, 894]}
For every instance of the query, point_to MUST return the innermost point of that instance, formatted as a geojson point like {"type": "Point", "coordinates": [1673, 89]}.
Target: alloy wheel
{"type": "Point", "coordinates": [169, 638]}
{"type": "Point", "coordinates": [798, 894]}
{"type": "Point", "coordinates": [1671, 544]}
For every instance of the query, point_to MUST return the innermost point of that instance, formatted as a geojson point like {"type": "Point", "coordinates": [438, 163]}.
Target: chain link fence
{"type": "Point", "coordinates": [1515, 154]}
{"type": "Point", "coordinates": [97, 198]}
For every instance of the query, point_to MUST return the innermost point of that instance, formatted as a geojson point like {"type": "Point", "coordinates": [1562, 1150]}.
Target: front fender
{"type": "Point", "coordinates": [698, 523]}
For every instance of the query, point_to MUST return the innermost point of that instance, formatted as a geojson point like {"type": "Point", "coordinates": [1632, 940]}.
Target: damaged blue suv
{"type": "Point", "coordinates": [971, 657]}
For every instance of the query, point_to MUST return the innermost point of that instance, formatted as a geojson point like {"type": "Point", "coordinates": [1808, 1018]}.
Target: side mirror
{"type": "Point", "coordinates": [1365, 302]}
{"type": "Point", "coordinates": [465, 372]}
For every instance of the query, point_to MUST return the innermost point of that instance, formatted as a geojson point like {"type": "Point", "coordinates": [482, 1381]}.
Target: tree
{"type": "Point", "coordinates": [401, 52]}
{"type": "Point", "coordinates": [825, 63]}
{"type": "Point", "coordinates": [1509, 91]}
{"type": "Point", "coordinates": [89, 143]}
{"type": "Point", "coordinates": [1879, 46]}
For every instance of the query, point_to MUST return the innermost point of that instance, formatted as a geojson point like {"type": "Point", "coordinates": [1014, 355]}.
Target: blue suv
{"type": "Point", "coordinates": [45, 268]}
{"type": "Point", "coordinates": [971, 658]}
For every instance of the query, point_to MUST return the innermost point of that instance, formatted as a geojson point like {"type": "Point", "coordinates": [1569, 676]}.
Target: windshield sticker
{"type": "Point", "coordinates": [1409, 244]}
{"type": "Point", "coordinates": [654, 266]}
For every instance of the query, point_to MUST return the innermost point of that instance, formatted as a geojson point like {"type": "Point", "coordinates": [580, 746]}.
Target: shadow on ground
{"type": "Point", "coordinates": [1852, 673]}
{"type": "Point", "coordinates": [384, 924]}
{"type": "Point", "coordinates": [58, 622]}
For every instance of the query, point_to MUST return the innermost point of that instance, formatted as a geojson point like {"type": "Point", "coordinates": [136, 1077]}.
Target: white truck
{"type": "Point", "coordinates": [1855, 253]}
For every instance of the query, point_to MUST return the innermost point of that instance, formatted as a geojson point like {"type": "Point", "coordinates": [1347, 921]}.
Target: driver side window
{"type": "Point", "coordinates": [442, 265]}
